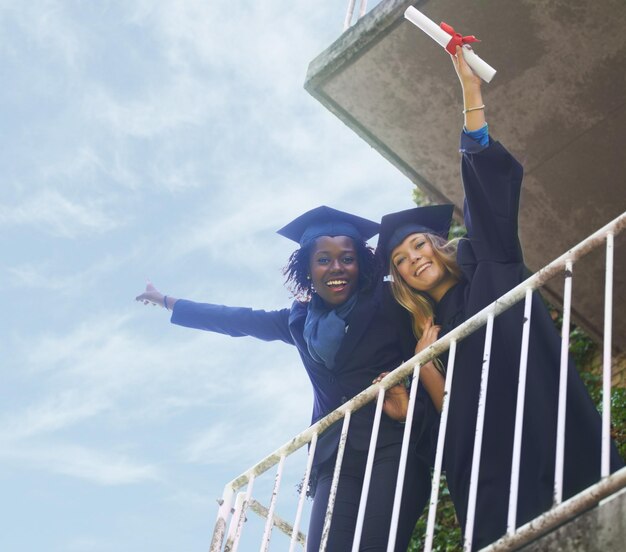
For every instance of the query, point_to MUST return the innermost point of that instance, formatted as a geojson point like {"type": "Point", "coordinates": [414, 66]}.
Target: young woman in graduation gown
{"type": "Point", "coordinates": [346, 333]}
{"type": "Point", "coordinates": [442, 286]}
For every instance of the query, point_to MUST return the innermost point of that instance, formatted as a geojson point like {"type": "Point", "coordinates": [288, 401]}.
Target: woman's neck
{"type": "Point", "coordinates": [444, 286]}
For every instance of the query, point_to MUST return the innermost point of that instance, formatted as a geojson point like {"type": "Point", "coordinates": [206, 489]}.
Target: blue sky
{"type": "Point", "coordinates": [161, 140]}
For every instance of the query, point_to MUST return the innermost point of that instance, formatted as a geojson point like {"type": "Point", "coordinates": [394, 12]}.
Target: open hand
{"type": "Point", "coordinates": [396, 403]}
{"type": "Point", "coordinates": [151, 296]}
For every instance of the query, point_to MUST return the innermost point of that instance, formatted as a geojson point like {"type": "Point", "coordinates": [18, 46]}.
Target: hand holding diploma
{"type": "Point", "coordinates": [474, 109]}
{"type": "Point", "coordinates": [446, 37]}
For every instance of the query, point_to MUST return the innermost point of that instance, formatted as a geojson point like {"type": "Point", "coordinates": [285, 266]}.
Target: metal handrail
{"type": "Point", "coordinates": [564, 262]}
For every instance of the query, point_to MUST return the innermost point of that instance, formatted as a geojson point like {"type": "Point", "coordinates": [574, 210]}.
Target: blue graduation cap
{"type": "Point", "coordinates": [326, 221]}
{"type": "Point", "coordinates": [395, 227]}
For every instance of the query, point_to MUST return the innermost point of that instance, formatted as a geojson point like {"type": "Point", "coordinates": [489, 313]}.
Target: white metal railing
{"type": "Point", "coordinates": [515, 536]}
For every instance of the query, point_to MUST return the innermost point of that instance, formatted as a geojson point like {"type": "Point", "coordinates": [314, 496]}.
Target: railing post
{"type": "Point", "coordinates": [222, 519]}
{"type": "Point", "coordinates": [335, 482]}
{"type": "Point", "coordinates": [363, 8]}
{"type": "Point", "coordinates": [478, 437]}
{"type": "Point", "coordinates": [305, 485]}
{"type": "Point", "coordinates": [519, 415]}
{"type": "Point", "coordinates": [348, 20]}
{"type": "Point", "coordinates": [269, 523]}
{"type": "Point", "coordinates": [239, 518]}
{"type": "Point", "coordinates": [235, 523]}
{"type": "Point", "coordinates": [406, 437]}
{"type": "Point", "coordinates": [562, 406]}
{"type": "Point", "coordinates": [606, 360]}
{"type": "Point", "coordinates": [368, 471]}
{"type": "Point", "coordinates": [441, 439]}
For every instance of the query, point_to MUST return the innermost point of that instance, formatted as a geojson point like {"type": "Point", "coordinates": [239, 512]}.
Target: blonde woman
{"type": "Point", "coordinates": [442, 284]}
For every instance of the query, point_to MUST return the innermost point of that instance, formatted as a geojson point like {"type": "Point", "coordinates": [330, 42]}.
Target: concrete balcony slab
{"type": "Point", "coordinates": [558, 102]}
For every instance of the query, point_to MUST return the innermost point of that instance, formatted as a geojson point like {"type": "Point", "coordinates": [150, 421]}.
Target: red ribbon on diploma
{"type": "Point", "coordinates": [457, 38]}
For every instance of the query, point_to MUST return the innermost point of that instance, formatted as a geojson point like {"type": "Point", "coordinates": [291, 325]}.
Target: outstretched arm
{"type": "Point", "coordinates": [233, 321]}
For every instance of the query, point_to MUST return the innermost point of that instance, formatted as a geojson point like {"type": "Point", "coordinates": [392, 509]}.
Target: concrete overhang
{"type": "Point", "coordinates": [558, 102]}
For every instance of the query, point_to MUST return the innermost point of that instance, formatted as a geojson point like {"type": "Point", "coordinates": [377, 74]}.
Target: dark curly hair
{"type": "Point", "coordinates": [298, 268]}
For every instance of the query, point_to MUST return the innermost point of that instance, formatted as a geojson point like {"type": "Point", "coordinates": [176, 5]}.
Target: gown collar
{"type": "Point", "coordinates": [450, 307]}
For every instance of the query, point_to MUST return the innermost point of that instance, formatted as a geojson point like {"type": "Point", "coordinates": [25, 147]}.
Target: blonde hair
{"type": "Point", "coordinates": [416, 302]}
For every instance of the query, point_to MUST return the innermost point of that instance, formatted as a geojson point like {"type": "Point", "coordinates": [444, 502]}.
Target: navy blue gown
{"type": "Point", "coordinates": [492, 263]}
{"type": "Point", "coordinates": [378, 339]}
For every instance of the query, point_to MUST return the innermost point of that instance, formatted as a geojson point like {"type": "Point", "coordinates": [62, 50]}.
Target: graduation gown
{"type": "Point", "coordinates": [492, 264]}
{"type": "Point", "coordinates": [378, 339]}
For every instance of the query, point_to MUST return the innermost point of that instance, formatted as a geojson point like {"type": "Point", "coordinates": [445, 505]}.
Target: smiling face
{"type": "Point", "coordinates": [416, 261]}
{"type": "Point", "coordinates": [334, 269]}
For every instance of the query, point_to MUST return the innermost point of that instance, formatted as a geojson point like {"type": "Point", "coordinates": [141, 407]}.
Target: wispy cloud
{"type": "Point", "coordinates": [48, 276]}
{"type": "Point", "coordinates": [53, 413]}
{"type": "Point", "coordinates": [180, 101]}
{"type": "Point", "coordinates": [217, 444]}
{"type": "Point", "coordinates": [87, 544]}
{"type": "Point", "coordinates": [241, 437]}
{"type": "Point", "coordinates": [48, 27]}
{"type": "Point", "coordinates": [81, 462]}
{"type": "Point", "coordinates": [101, 365]}
{"type": "Point", "coordinates": [59, 215]}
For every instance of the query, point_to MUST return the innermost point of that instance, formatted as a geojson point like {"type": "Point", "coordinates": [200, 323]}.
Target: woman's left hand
{"type": "Point", "coordinates": [430, 334]}
{"type": "Point", "coordinates": [433, 381]}
{"type": "Point", "coordinates": [396, 403]}
{"type": "Point", "coordinates": [469, 79]}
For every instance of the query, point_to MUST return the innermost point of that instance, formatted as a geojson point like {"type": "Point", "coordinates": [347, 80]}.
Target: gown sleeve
{"type": "Point", "coordinates": [492, 180]}
{"type": "Point", "coordinates": [233, 321]}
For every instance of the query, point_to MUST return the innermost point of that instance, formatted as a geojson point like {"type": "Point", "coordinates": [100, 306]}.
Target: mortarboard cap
{"type": "Point", "coordinates": [395, 227]}
{"type": "Point", "coordinates": [325, 221]}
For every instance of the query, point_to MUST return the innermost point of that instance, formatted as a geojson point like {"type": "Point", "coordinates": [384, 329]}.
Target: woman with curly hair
{"type": "Point", "coordinates": [346, 331]}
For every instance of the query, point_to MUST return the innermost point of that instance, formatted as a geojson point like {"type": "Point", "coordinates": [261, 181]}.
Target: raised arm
{"type": "Point", "coordinates": [492, 179]}
{"type": "Point", "coordinates": [473, 106]}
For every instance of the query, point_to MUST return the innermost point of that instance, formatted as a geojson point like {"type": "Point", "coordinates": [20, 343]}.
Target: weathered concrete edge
{"type": "Point", "coordinates": [565, 511]}
{"type": "Point", "coordinates": [357, 40]}
{"type": "Point", "coordinates": [600, 529]}
{"type": "Point", "coordinates": [365, 34]}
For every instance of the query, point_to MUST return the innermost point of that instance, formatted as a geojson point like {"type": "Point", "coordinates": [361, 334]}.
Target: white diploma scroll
{"type": "Point", "coordinates": [434, 31]}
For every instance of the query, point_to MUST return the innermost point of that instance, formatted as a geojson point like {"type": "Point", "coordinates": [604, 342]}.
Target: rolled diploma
{"type": "Point", "coordinates": [434, 31]}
